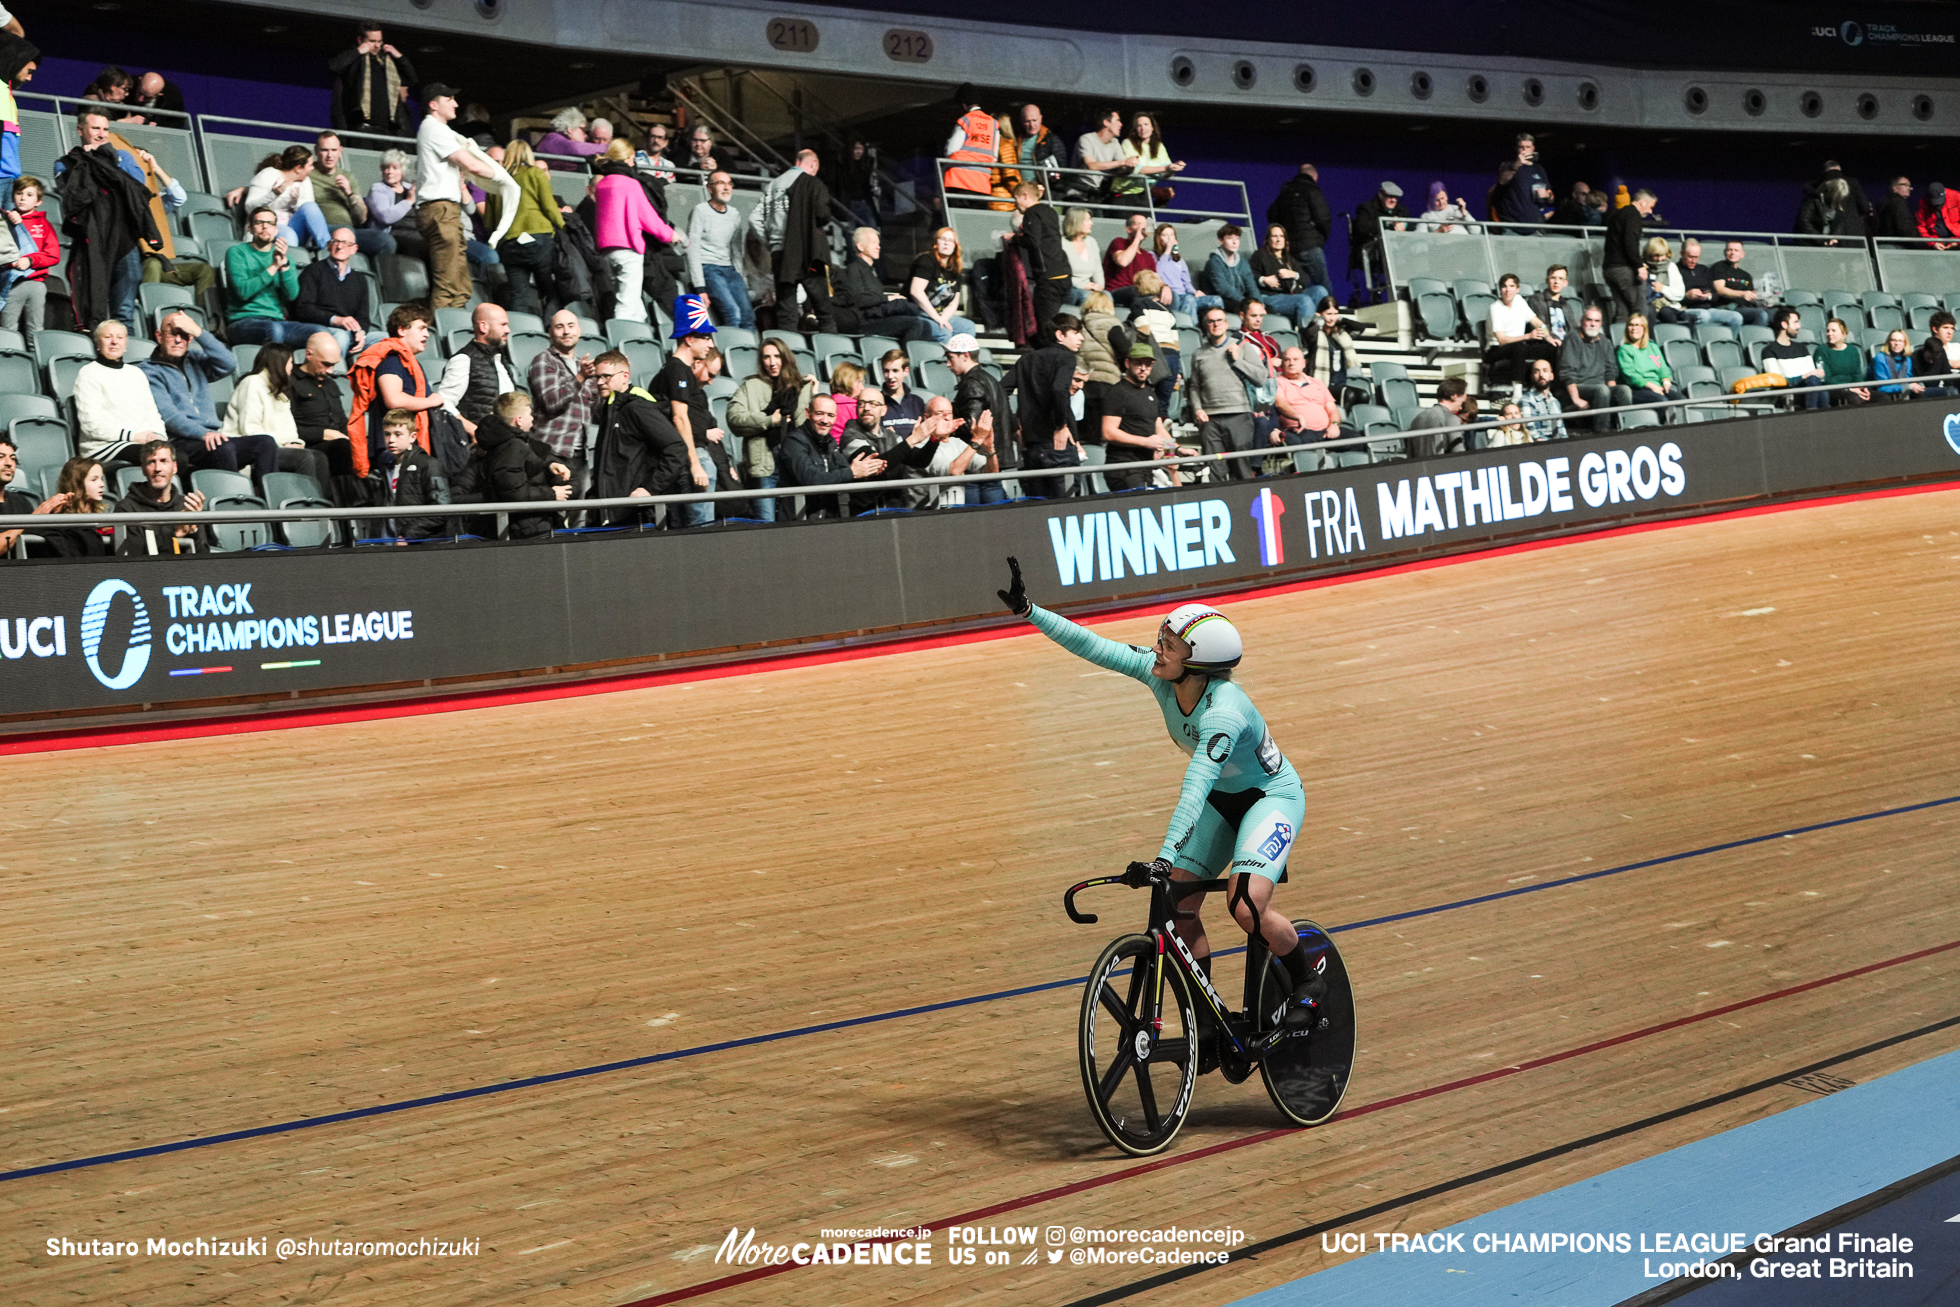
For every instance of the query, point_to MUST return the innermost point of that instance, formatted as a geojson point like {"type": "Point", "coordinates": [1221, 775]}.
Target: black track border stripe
{"type": "Point", "coordinates": [1505, 1168]}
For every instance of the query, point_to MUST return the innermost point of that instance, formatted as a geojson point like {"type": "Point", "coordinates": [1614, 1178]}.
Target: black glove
{"type": "Point", "coordinates": [1140, 874]}
{"type": "Point", "coordinates": [1016, 594]}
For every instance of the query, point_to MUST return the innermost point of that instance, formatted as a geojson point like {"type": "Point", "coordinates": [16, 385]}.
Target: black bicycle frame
{"type": "Point", "coordinates": [1165, 895]}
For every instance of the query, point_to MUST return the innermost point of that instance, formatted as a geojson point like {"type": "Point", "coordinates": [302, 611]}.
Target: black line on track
{"type": "Point", "coordinates": [1505, 1168]}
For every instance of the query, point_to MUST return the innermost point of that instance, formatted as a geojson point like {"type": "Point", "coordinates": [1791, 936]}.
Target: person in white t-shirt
{"type": "Point", "coordinates": [441, 158]}
{"type": "Point", "coordinates": [1517, 337]}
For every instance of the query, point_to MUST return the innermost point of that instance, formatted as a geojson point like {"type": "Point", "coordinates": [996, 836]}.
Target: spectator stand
{"type": "Point", "coordinates": [979, 225]}
{"type": "Point", "coordinates": [1463, 260]}
{"type": "Point", "coordinates": [805, 112]}
{"type": "Point", "coordinates": [230, 149]}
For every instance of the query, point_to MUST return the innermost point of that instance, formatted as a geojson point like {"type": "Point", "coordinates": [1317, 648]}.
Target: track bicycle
{"type": "Point", "coordinates": [1152, 1024]}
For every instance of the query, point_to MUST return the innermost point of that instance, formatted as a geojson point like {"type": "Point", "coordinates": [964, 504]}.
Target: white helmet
{"type": "Point", "coordinates": [1214, 641]}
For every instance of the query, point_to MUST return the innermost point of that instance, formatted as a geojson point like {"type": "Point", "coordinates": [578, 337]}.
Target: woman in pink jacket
{"type": "Point", "coordinates": [623, 217]}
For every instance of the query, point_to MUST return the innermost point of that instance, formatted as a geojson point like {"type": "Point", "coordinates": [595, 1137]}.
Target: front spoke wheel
{"type": "Point", "coordinates": [1138, 1074]}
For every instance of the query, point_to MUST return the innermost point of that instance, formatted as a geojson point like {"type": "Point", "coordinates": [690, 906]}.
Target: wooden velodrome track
{"type": "Point", "coordinates": [211, 935]}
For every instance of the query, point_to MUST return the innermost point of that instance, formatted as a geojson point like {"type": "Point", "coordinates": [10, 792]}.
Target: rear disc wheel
{"type": "Point", "coordinates": [1307, 1071]}
{"type": "Point", "coordinates": [1138, 1075]}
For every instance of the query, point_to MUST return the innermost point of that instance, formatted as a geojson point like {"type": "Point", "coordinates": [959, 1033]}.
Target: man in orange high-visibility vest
{"type": "Point", "coordinates": [973, 139]}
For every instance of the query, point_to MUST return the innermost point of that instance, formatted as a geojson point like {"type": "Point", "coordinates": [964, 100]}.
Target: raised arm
{"type": "Point", "coordinates": [1125, 659]}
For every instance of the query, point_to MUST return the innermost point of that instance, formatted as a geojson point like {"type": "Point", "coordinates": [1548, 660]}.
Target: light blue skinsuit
{"type": "Point", "coordinates": [1242, 803]}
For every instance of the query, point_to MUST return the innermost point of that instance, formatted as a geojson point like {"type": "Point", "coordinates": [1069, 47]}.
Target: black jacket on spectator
{"type": "Point", "coordinates": [157, 538]}
{"type": "Point", "coordinates": [1860, 201]}
{"type": "Point", "coordinates": [1929, 360]}
{"type": "Point", "coordinates": [980, 391]}
{"type": "Point", "coordinates": [1041, 233]}
{"type": "Point", "coordinates": [1301, 208]}
{"type": "Point", "coordinates": [378, 112]}
{"type": "Point", "coordinates": [806, 244]}
{"type": "Point", "coordinates": [515, 469]}
{"type": "Point", "coordinates": [74, 542]}
{"type": "Point", "coordinates": [324, 296]}
{"type": "Point", "coordinates": [858, 286]}
{"type": "Point", "coordinates": [317, 408]}
{"type": "Point", "coordinates": [1896, 217]}
{"type": "Point", "coordinates": [1366, 228]}
{"type": "Point", "coordinates": [639, 449]}
{"type": "Point", "coordinates": [1817, 220]}
{"type": "Point", "coordinates": [1625, 234]}
{"type": "Point", "coordinates": [856, 178]}
{"type": "Point", "coordinates": [812, 458]}
{"type": "Point", "coordinates": [414, 487]}
{"type": "Point", "coordinates": [1042, 381]}
{"type": "Point", "coordinates": [857, 297]}
{"type": "Point", "coordinates": [105, 212]}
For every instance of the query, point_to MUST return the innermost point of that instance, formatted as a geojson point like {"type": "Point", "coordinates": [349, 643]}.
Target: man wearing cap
{"type": "Point", "coordinates": [687, 399]}
{"type": "Point", "coordinates": [1371, 218]}
{"type": "Point", "coordinates": [1133, 434]}
{"type": "Point", "coordinates": [980, 395]}
{"type": "Point", "coordinates": [441, 156]}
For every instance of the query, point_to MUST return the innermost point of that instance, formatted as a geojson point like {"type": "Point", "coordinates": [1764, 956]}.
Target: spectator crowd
{"type": "Point", "coordinates": [1129, 355]}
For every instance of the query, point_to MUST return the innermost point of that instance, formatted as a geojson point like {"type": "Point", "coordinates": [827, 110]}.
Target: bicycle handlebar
{"type": "Point", "coordinates": [1185, 890]}
{"type": "Point", "coordinates": [1068, 899]}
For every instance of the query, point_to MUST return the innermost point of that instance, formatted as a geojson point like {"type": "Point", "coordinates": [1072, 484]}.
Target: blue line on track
{"type": "Point", "coordinates": [653, 1059]}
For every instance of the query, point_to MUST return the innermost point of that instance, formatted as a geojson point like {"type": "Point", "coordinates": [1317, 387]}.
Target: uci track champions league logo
{"type": "Point", "coordinates": [208, 626]}
{"type": "Point", "coordinates": [136, 649]}
{"type": "Point", "coordinates": [1952, 429]}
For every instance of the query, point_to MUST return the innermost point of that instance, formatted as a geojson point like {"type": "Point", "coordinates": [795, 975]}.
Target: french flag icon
{"type": "Point", "coordinates": [1266, 510]}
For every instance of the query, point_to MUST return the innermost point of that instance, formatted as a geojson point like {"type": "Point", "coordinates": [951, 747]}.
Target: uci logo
{"type": "Point", "coordinates": [1952, 428]}
{"type": "Point", "coordinates": [95, 617]}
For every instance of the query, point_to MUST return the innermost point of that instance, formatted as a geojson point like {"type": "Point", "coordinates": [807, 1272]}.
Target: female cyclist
{"type": "Point", "coordinates": [1242, 803]}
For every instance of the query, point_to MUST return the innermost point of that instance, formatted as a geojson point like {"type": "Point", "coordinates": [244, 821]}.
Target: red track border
{"type": "Point", "coordinates": [1265, 1136]}
{"type": "Point", "coordinates": [101, 737]}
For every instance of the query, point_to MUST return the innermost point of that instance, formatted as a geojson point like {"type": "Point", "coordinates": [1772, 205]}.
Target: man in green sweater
{"type": "Point", "coordinates": [260, 287]}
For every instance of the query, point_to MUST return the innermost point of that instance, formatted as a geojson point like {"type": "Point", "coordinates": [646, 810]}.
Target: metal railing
{"type": "Point", "coordinates": [213, 153]}
{"type": "Point", "coordinates": [1798, 261]}
{"type": "Point", "coordinates": [175, 147]}
{"type": "Point", "coordinates": [1094, 197]}
{"type": "Point", "coordinates": [1917, 264]}
{"type": "Point", "coordinates": [1756, 402]}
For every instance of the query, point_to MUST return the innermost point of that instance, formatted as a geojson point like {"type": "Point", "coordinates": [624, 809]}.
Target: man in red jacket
{"type": "Point", "coordinates": [1939, 216]}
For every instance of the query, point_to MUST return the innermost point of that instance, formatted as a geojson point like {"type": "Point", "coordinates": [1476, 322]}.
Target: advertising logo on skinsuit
{"type": "Point", "coordinates": [1952, 428]}
{"type": "Point", "coordinates": [136, 653]}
